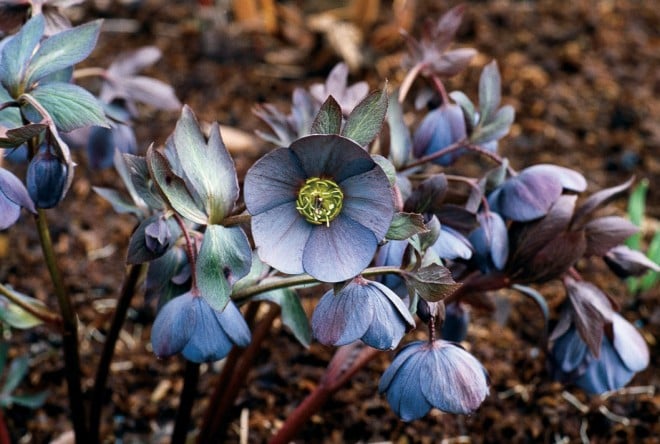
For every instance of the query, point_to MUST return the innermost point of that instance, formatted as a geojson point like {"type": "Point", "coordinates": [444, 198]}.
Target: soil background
{"type": "Point", "coordinates": [584, 78]}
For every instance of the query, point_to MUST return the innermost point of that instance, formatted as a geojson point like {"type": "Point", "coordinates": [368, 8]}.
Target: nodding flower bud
{"type": "Point", "coordinates": [46, 179]}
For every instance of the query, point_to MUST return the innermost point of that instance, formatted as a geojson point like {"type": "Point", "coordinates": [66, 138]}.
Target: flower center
{"type": "Point", "coordinates": [319, 200]}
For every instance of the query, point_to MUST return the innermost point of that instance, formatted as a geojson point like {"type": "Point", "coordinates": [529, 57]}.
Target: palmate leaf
{"type": "Point", "coordinates": [172, 188]}
{"type": "Point", "coordinates": [17, 51]}
{"type": "Point", "coordinates": [15, 316]}
{"type": "Point", "coordinates": [224, 258]}
{"type": "Point", "coordinates": [405, 225]}
{"type": "Point", "coordinates": [366, 120]}
{"type": "Point", "coordinates": [63, 50]}
{"type": "Point", "coordinates": [208, 167]}
{"type": "Point", "coordinates": [70, 106]}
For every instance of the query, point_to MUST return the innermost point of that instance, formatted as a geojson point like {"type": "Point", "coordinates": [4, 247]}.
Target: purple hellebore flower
{"type": "Point", "coordinates": [365, 310]}
{"type": "Point", "coordinates": [437, 374]}
{"type": "Point", "coordinates": [13, 196]}
{"type": "Point", "coordinates": [530, 194]}
{"type": "Point", "coordinates": [320, 206]}
{"type": "Point", "coordinates": [189, 325]}
{"type": "Point", "coordinates": [46, 179]}
{"type": "Point", "coordinates": [103, 142]}
{"type": "Point", "coordinates": [619, 359]}
{"type": "Point", "coordinates": [440, 128]}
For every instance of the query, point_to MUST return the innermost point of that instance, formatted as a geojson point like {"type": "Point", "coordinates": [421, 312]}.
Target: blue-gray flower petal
{"type": "Point", "coordinates": [331, 156]}
{"type": "Point", "coordinates": [340, 251]}
{"type": "Point", "coordinates": [368, 202]}
{"type": "Point", "coordinates": [281, 235]}
{"type": "Point", "coordinates": [174, 325]}
{"type": "Point", "coordinates": [273, 180]}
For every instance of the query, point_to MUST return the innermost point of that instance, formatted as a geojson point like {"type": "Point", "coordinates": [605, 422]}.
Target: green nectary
{"type": "Point", "coordinates": [319, 200]}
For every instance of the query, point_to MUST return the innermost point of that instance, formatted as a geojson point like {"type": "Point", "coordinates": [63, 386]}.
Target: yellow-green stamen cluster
{"type": "Point", "coordinates": [319, 200]}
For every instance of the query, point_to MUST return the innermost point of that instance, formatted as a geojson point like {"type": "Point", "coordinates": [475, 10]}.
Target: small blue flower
{"type": "Point", "coordinates": [436, 374]}
{"type": "Point", "coordinates": [440, 128]}
{"type": "Point", "coordinates": [189, 325]}
{"type": "Point", "coordinates": [363, 310]}
{"type": "Point", "coordinates": [618, 361]}
{"type": "Point", "coordinates": [13, 196]}
{"type": "Point", "coordinates": [320, 206]}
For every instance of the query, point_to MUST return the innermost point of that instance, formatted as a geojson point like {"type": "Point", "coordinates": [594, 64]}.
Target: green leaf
{"type": "Point", "coordinates": [33, 401]}
{"type": "Point", "coordinates": [495, 129]}
{"type": "Point", "coordinates": [208, 168]}
{"type": "Point", "coordinates": [651, 278]}
{"type": "Point", "coordinates": [405, 225]}
{"type": "Point", "coordinates": [386, 166]}
{"type": "Point", "coordinates": [293, 314]}
{"type": "Point", "coordinates": [119, 203]}
{"type": "Point", "coordinates": [63, 50]}
{"type": "Point", "coordinates": [17, 52]}
{"type": "Point", "coordinates": [15, 316]}
{"type": "Point", "coordinates": [141, 181]}
{"type": "Point", "coordinates": [18, 136]}
{"type": "Point", "coordinates": [70, 106]}
{"type": "Point", "coordinates": [489, 91]}
{"type": "Point", "coordinates": [224, 258]}
{"type": "Point", "coordinates": [432, 283]}
{"type": "Point", "coordinates": [636, 209]}
{"type": "Point", "coordinates": [400, 139]}
{"type": "Point", "coordinates": [17, 371]}
{"type": "Point", "coordinates": [172, 188]}
{"type": "Point", "coordinates": [366, 120]}
{"type": "Point", "coordinates": [467, 106]}
{"type": "Point", "coordinates": [329, 118]}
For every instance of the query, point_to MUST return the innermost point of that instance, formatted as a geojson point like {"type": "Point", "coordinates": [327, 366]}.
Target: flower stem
{"type": "Point", "coordinates": [123, 303]}
{"type": "Point", "coordinates": [294, 281]}
{"type": "Point", "coordinates": [347, 361]}
{"type": "Point", "coordinates": [422, 160]}
{"type": "Point", "coordinates": [69, 332]}
{"type": "Point", "coordinates": [236, 220]}
{"type": "Point", "coordinates": [45, 316]}
{"type": "Point", "coordinates": [5, 438]}
{"type": "Point", "coordinates": [216, 428]}
{"type": "Point", "coordinates": [190, 252]}
{"type": "Point", "coordinates": [186, 400]}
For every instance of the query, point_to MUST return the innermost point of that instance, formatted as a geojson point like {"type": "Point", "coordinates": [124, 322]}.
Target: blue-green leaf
{"type": "Point", "coordinates": [293, 314]}
{"type": "Point", "coordinates": [63, 50]}
{"type": "Point", "coordinates": [15, 316]}
{"type": "Point", "coordinates": [142, 183]}
{"type": "Point", "coordinates": [18, 136]}
{"type": "Point", "coordinates": [366, 120]}
{"type": "Point", "coordinates": [489, 91]}
{"type": "Point", "coordinates": [118, 201]}
{"type": "Point", "coordinates": [208, 167]}
{"type": "Point", "coordinates": [467, 107]}
{"type": "Point", "coordinates": [17, 371]}
{"type": "Point", "coordinates": [17, 52]}
{"type": "Point", "coordinates": [33, 401]}
{"type": "Point", "coordinates": [70, 106]}
{"type": "Point", "coordinates": [400, 140]}
{"type": "Point", "coordinates": [405, 225]}
{"type": "Point", "coordinates": [496, 128]}
{"type": "Point", "coordinates": [224, 258]}
{"type": "Point", "coordinates": [329, 118]}
{"type": "Point", "coordinates": [172, 188]}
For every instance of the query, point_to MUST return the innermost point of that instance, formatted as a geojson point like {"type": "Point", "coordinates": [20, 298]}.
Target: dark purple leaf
{"type": "Point", "coordinates": [605, 233]}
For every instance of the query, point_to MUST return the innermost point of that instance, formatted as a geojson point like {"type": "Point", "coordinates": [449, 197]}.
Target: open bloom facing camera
{"type": "Point", "coordinates": [436, 374]}
{"type": "Point", "coordinates": [321, 201]}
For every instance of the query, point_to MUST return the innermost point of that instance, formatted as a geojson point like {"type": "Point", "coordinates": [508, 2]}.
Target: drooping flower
{"type": "Point", "coordinates": [363, 310]}
{"type": "Point", "coordinates": [13, 196]}
{"type": "Point", "coordinates": [437, 374]}
{"type": "Point", "coordinates": [46, 179]}
{"type": "Point", "coordinates": [618, 361]}
{"type": "Point", "coordinates": [440, 128]}
{"type": "Point", "coordinates": [320, 206]}
{"type": "Point", "coordinates": [189, 325]}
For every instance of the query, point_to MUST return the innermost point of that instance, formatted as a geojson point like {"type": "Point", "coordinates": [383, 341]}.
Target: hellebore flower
{"type": "Point", "coordinates": [103, 142]}
{"type": "Point", "coordinates": [13, 196]}
{"type": "Point", "coordinates": [46, 179]}
{"type": "Point", "coordinates": [187, 324]}
{"type": "Point", "coordinates": [490, 241]}
{"type": "Point", "coordinates": [320, 206]}
{"type": "Point", "coordinates": [440, 128]}
{"type": "Point", "coordinates": [530, 194]}
{"type": "Point", "coordinates": [618, 361]}
{"type": "Point", "coordinates": [436, 374]}
{"type": "Point", "coordinates": [363, 310]}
